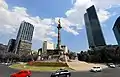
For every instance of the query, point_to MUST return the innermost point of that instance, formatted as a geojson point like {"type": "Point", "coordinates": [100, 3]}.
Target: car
{"type": "Point", "coordinates": [96, 69]}
{"type": "Point", "coordinates": [8, 64]}
{"type": "Point", "coordinates": [3, 63]}
{"type": "Point", "coordinates": [22, 73]}
{"type": "Point", "coordinates": [61, 73]}
{"type": "Point", "coordinates": [111, 65]}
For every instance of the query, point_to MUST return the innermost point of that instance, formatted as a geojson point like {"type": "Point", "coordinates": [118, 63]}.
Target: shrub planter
{"type": "Point", "coordinates": [49, 64]}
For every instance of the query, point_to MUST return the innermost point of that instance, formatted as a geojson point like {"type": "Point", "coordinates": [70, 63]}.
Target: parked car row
{"type": "Point", "coordinates": [99, 69]}
{"type": "Point", "coordinates": [7, 64]}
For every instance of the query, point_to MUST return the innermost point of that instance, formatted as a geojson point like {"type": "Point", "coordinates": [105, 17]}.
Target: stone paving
{"type": "Point", "coordinates": [83, 66]}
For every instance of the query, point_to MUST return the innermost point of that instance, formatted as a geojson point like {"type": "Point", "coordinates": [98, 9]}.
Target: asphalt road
{"type": "Point", "coordinates": [109, 72]}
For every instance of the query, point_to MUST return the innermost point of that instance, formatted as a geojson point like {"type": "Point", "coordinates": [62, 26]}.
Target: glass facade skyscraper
{"type": "Point", "coordinates": [25, 31]}
{"type": "Point", "coordinates": [24, 37]}
{"type": "Point", "coordinates": [93, 29]}
{"type": "Point", "coordinates": [116, 30]}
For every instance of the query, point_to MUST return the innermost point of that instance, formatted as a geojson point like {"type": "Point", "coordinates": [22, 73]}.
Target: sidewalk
{"type": "Point", "coordinates": [83, 66]}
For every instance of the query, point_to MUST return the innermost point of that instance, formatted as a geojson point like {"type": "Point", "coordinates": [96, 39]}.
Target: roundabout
{"type": "Point", "coordinates": [108, 72]}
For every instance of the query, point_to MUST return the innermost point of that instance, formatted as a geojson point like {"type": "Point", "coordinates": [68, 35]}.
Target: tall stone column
{"type": "Point", "coordinates": [60, 51]}
{"type": "Point", "coordinates": [59, 35]}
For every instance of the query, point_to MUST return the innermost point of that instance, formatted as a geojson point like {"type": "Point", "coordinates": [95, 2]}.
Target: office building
{"type": "Point", "coordinates": [11, 45]}
{"type": "Point", "coordinates": [24, 38]}
{"type": "Point", "coordinates": [116, 30]}
{"type": "Point", "coordinates": [93, 28]}
{"type": "Point", "coordinates": [48, 46]}
{"type": "Point", "coordinates": [25, 31]}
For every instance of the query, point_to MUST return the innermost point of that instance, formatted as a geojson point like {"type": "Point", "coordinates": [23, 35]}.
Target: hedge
{"type": "Point", "coordinates": [50, 64]}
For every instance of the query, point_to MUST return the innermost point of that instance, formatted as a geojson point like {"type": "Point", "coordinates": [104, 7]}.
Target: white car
{"type": "Point", "coordinates": [6, 63]}
{"type": "Point", "coordinates": [96, 69]}
{"type": "Point", "coordinates": [112, 65]}
{"type": "Point", "coordinates": [2, 63]}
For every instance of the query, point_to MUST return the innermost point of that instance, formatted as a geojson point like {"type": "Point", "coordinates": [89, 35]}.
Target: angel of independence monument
{"type": "Point", "coordinates": [58, 53]}
{"type": "Point", "coordinates": [58, 49]}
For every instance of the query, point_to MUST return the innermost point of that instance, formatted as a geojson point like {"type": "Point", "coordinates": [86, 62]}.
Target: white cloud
{"type": "Point", "coordinates": [10, 21]}
{"type": "Point", "coordinates": [103, 15]}
{"type": "Point", "coordinates": [103, 4]}
{"type": "Point", "coordinates": [3, 4]}
{"type": "Point", "coordinates": [67, 25]}
{"type": "Point", "coordinates": [20, 10]}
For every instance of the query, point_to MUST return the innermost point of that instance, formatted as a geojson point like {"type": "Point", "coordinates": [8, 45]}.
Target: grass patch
{"type": "Point", "coordinates": [37, 68]}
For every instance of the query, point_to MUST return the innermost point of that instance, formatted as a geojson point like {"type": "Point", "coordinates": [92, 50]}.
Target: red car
{"type": "Point", "coordinates": [22, 73]}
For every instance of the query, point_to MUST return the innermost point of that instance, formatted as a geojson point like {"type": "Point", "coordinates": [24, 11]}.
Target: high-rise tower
{"type": "Point", "coordinates": [116, 30]}
{"type": "Point", "coordinates": [24, 37]}
{"type": "Point", "coordinates": [93, 28]}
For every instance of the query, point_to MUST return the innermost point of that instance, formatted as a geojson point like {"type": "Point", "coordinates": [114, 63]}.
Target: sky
{"type": "Point", "coordinates": [44, 14]}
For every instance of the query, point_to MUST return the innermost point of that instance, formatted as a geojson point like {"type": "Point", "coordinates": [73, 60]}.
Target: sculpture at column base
{"type": "Point", "coordinates": [63, 57]}
{"type": "Point", "coordinates": [39, 58]}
